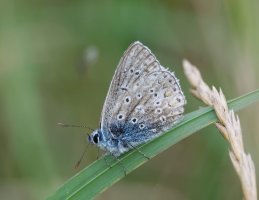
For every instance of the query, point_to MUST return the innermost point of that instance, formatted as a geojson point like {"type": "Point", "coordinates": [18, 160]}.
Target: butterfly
{"type": "Point", "coordinates": [144, 100]}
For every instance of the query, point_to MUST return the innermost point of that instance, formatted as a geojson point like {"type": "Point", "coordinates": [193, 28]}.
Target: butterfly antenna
{"type": "Point", "coordinates": [78, 126]}
{"type": "Point", "coordinates": [82, 156]}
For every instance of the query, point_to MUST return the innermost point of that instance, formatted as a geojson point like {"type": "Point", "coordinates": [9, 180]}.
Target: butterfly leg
{"type": "Point", "coordinates": [98, 153]}
{"type": "Point", "coordinates": [120, 163]}
{"type": "Point", "coordinates": [106, 161]}
{"type": "Point", "coordinates": [138, 150]}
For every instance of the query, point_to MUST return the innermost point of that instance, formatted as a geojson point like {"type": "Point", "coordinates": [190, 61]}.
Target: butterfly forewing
{"type": "Point", "coordinates": [117, 86]}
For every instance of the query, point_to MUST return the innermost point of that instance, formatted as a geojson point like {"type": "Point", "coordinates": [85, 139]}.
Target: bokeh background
{"type": "Point", "coordinates": [57, 59]}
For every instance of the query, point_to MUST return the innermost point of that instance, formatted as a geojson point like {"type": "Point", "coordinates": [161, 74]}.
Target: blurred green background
{"type": "Point", "coordinates": [57, 59]}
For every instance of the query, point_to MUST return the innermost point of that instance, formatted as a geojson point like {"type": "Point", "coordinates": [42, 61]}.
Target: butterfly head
{"type": "Point", "coordinates": [95, 137]}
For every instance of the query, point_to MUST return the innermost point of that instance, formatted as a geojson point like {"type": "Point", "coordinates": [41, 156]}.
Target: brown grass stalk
{"type": "Point", "coordinates": [229, 126]}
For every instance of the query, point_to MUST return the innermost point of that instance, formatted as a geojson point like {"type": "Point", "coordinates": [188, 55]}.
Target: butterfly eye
{"type": "Point", "coordinates": [96, 138]}
{"type": "Point", "coordinates": [141, 126]}
{"type": "Point", "coordinates": [131, 70]}
{"type": "Point", "coordinates": [120, 117]}
{"type": "Point", "coordinates": [155, 95]}
{"type": "Point", "coordinates": [134, 120]}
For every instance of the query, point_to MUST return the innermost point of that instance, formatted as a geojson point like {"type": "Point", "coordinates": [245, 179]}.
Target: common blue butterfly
{"type": "Point", "coordinates": [144, 100]}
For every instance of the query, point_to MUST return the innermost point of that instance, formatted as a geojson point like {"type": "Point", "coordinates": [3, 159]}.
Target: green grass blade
{"type": "Point", "coordinates": [98, 176]}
